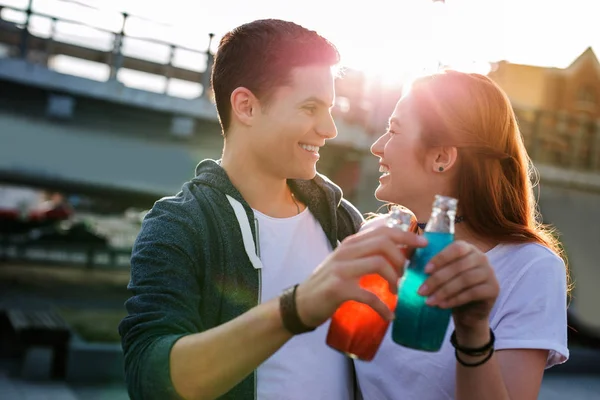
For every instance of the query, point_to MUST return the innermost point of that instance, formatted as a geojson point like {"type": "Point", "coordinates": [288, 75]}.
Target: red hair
{"type": "Point", "coordinates": [494, 187]}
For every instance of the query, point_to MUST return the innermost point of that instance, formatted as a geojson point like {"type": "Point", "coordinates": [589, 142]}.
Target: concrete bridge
{"type": "Point", "coordinates": [130, 146]}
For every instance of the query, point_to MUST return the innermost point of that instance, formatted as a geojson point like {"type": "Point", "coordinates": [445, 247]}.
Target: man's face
{"type": "Point", "coordinates": [288, 133]}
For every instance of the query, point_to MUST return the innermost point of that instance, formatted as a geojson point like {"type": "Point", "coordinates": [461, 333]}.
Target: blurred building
{"type": "Point", "coordinates": [558, 110]}
{"type": "Point", "coordinates": [91, 108]}
{"type": "Point", "coordinates": [574, 89]}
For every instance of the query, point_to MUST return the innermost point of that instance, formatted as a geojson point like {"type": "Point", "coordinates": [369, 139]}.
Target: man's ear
{"type": "Point", "coordinates": [244, 105]}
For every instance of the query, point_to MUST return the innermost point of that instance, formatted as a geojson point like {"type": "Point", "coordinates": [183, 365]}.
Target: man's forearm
{"type": "Point", "coordinates": [208, 364]}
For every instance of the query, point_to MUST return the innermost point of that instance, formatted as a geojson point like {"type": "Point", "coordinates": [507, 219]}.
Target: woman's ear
{"type": "Point", "coordinates": [444, 158]}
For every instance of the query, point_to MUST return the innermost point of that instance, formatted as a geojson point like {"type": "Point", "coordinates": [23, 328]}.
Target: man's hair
{"type": "Point", "coordinates": [260, 56]}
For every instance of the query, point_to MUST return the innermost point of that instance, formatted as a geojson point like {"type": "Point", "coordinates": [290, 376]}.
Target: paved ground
{"type": "Point", "coordinates": [578, 379]}
{"type": "Point", "coordinates": [556, 386]}
{"type": "Point", "coordinates": [14, 389]}
{"type": "Point", "coordinates": [572, 387]}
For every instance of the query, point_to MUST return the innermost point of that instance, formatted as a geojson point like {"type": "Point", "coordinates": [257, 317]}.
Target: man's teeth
{"type": "Point", "coordinates": [307, 147]}
{"type": "Point", "coordinates": [384, 169]}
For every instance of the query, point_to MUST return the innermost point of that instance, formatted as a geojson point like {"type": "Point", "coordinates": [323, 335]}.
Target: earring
{"type": "Point", "coordinates": [441, 169]}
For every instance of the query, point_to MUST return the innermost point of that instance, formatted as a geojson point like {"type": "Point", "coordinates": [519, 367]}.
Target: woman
{"type": "Point", "coordinates": [455, 134]}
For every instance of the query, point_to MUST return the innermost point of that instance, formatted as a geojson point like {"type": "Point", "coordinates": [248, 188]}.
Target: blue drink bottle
{"type": "Point", "coordinates": [356, 329]}
{"type": "Point", "coordinates": [418, 325]}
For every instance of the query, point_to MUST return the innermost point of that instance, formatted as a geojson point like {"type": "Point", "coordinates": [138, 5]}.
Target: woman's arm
{"type": "Point", "coordinates": [531, 320]}
{"type": "Point", "coordinates": [509, 374]}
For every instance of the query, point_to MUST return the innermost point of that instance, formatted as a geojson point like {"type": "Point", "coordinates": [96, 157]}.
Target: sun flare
{"type": "Point", "coordinates": [429, 37]}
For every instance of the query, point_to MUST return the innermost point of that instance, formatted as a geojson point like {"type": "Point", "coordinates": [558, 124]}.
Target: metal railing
{"type": "Point", "coordinates": [569, 141]}
{"type": "Point", "coordinates": [66, 254]}
{"type": "Point", "coordinates": [20, 36]}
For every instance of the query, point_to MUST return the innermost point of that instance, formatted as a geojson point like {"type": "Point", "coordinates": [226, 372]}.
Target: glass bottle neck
{"type": "Point", "coordinates": [441, 221]}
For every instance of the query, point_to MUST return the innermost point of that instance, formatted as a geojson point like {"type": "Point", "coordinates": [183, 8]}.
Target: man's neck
{"type": "Point", "coordinates": [263, 191]}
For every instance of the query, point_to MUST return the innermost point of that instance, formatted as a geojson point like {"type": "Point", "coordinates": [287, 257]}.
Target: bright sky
{"type": "Point", "coordinates": [388, 38]}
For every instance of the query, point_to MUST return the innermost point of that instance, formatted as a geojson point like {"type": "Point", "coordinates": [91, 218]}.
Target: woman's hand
{"type": "Point", "coordinates": [461, 278]}
{"type": "Point", "coordinates": [337, 279]}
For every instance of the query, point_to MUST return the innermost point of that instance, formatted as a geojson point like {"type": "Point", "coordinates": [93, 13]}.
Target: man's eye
{"type": "Point", "coordinates": [311, 109]}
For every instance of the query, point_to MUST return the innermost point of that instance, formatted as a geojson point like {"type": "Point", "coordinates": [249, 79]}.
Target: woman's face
{"type": "Point", "coordinates": [407, 166]}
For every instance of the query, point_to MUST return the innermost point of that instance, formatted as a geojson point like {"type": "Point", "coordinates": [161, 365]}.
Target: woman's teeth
{"type": "Point", "coordinates": [307, 147]}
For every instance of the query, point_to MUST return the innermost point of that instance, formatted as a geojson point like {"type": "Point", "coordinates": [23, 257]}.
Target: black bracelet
{"type": "Point", "coordinates": [475, 352]}
{"type": "Point", "coordinates": [475, 364]}
{"type": "Point", "coordinates": [289, 313]}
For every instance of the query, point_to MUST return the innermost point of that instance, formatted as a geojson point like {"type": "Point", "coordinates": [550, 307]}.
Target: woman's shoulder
{"type": "Point", "coordinates": [528, 265]}
{"type": "Point", "coordinates": [530, 253]}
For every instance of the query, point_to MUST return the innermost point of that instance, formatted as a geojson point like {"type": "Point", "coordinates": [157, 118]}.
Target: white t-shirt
{"type": "Point", "coordinates": [530, 313]}
{"type": "Point", "coordinates": [305, 367]}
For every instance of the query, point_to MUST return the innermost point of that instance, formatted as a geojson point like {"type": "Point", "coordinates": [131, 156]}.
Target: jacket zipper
{"type": "Point", "coordinates": [257, 246]}
{"type": "Point", "coordinates": [259, 300]}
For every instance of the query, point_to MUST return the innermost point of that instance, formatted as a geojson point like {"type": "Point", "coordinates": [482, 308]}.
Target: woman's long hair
{"type": "Point", "coordinates": [495, 190]}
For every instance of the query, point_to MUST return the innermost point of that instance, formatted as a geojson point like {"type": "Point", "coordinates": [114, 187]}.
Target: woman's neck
{"type": "Point", "coordinates": [462, 231]}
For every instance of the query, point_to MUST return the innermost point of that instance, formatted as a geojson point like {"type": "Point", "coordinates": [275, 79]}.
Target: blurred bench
{"type": "Point", "coordinates": [35, 329]}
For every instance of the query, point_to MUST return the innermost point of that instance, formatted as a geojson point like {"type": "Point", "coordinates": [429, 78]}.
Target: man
{"type": "Point", "coordinates": [215, 310]}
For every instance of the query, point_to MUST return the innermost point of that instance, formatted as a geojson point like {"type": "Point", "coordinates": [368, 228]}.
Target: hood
{"type": "Point", "coordinates": [209, 172]}
{"type": "Point", "coordinates": [321, 195]}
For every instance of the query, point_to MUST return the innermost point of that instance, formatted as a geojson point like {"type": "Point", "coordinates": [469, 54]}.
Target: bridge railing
{"type": "Point", "coordinates": [553, 138]}
{"type": "Point", "coordinates": [31, 44]}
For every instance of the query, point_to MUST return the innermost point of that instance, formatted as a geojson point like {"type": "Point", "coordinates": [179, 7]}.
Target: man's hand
{"type": "Point", "coordinates": [336, 280]}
